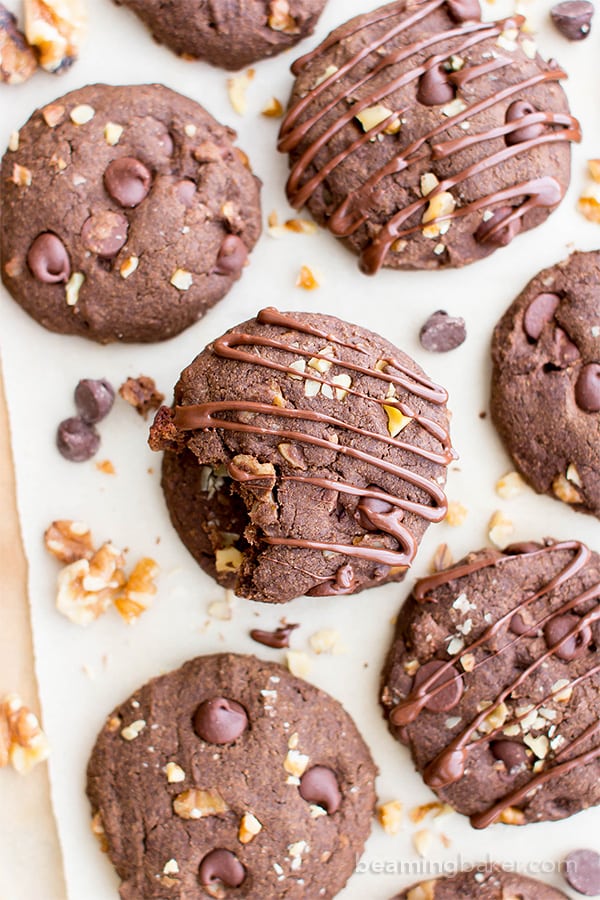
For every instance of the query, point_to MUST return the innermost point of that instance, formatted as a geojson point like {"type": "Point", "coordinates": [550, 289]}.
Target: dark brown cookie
{"type": "Point", "coordinates": [228, 33]}
{"type": "Point", "coordinates": [126, 213]}
{"type": "Point", "coordinates": [485, 883]}
{"type": "Point", "coordinates": [546, 381]}
{"type": "Point", "coordinates": [493, 680]}
{"type": "Point", "coordinates": [303, 455]}
{"type": "Point", "coordinates": [425, 138]}
{"type": "Point", "coordinates": [226, 774]}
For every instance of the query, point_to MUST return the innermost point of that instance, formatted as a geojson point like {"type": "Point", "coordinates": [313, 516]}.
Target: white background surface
{"type": "Point", "coordinates": [84, 672]}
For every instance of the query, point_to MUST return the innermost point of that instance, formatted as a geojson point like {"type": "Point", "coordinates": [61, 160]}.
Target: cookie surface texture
{"type": "Point", "coordinates": [488, 883]}
{"type": "Point", "coordinates": [228, 33]}
{"type": "Point", "coordinates": [493, 681]}
{"type": "Point", "coordinates": [126, 213]}
{"type": "Point", "coordinates": [425, 138]}
{"type": "Point", "coordinates": [222, 779]}
{"type": "Point", "coordinates": [303, 455]}
{"type": "Point", "coordinates": [546, 381]}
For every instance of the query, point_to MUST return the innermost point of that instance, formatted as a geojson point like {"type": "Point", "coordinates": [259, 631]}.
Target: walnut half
{"type": "Point", "coordinates": [56, 28]}
{"type": "Point", "coordinates": [17, 59]}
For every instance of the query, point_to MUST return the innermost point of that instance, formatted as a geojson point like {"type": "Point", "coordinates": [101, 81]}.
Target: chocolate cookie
{"type": "Point", "coordinates": [426, 138]}
{"type": "Point", "coordinates": [226, 774]}
{"type": "Point", "coordinates": [546, 381]}
{"type": "Point", "coordinates": [229, 33]}
{"type": "Point", "coordinates": [303, 455]}
{"type": "Point", "coordinates": [486, 883]}
{"type": "Point", "coordinates": [493, 680]}
{"type": "Point", "coordinates": [126, 213]}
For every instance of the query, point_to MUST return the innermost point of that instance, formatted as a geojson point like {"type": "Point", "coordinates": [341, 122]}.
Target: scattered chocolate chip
{"type": "Point", "coordinates": [221, 866]}
{"type": "Point", "coordinates": [142, 394]}
{"type": "Point", "coordinates": [573, 18]}
{"type": "Point", "coordinates": [566, 352]}
{"type": "Point", "coordinates": [127, 180]}
{"type": "Point", "coordinates": [464, 10]}
{"type": "Point", "coordinates": [77, 440]}
{"type": "Point", "coordinates": [48, 259]}
{"type": "Point", "coordinates": [94, 399]}
{"type": "Point", "coordinates": [581, 869]}
{"type": "Point", "coordinates": [434, 87]}
{"type": "Point", "coordinates": [319, 785]}
{"type": "Point", "coordinates": [489, 232]}
{"type": "Point", "coordinates": [369, 508]}
{"type": "Point", "coordinates": [442, 332]}
{"type": "Point", "coordinates": [220, 721]}
{"type": "Point", "coordinates": [511, 753]}
{"type": "Point", "coordinates": [518, 110]}
{"type": "Point", "coordinates": [587, 388]}
{"type": "Point", "coordinates": [277, 639]}
{"type": "Point", "coordinates": [232, 256]}
{"type": "Point", "coordinates": [186, 191]}
{"type": "Point", "coordinates": [540, 311]}
{"type": "Point", "coordinates": [105, 233]}
{"type": "Point", "coordinates": [519, 626]}
{"type": "Point", "coordinates": [446, 698]}
{"type": "Point", "coordinates": [573, 647]}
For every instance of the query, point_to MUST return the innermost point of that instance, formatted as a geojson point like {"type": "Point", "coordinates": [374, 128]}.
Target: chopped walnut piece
{"type": "Point", "coordinates": [99, 832]}
{"type": "Point", "coordinates": [296, 763]}
{"type": "Point", "coordinates": [390, 816]}
{"type": "Point", "coordinates": [510, 486]}
{"type": "Point", "coordinates": [21, 176]}
{"type": "Point", "coordinates": [422, 841]}
{"type": "Point", "coordinates": [273, 109]}
{"type": "Point", "coordinates": [237, 86]}
{"type": "Point", "coordinates": [280, 18]}
{"type": "Point", "coordinates": [53, 114]}
{"type": "Point", "coordinates": [72, 288]}
{"type": "Point", "coordinates": [589, 202]}
{"type": "Point", "coordinates": [56, 28]}
{"type": "Point", "coordinates": [457, 513]}
{"type": "Point", "coordinates": [327, 640]}
{"type": "Point", "coordinates": [423, 891]}
{"type": "Point", "coordinates": [106, 467]}
{"type": "Point", "coordinates": [174, 773]}
{"type": "Point", "coordinates": [565, 490]}
{"type": "Point", "coordinates": [133, 731]}
{"type": "Point", "coordinates": [397, 421]}
{"type": "Point", "coordinates": [228, 559]}
{"type": "Point", "coordinates": [512, 816]}
{"type": "Point", "coordinates": [17, 60]}
{"type": "Point", "coordinates": [298, 663]}
{"type": "Point", "coordinates": [86, 588]}
{"type": "Point", "coordinates": [443, 558]}
{"type": "Point", "coordinates": [300, 226]}
{"type": "Point", "coordinates": [249, 828]}
{"type": "Point", "coordinates": [142, 394]}
{"type": "Point", "coordinates": [136, 594]}
{"type": "Point", "coordinates": [373, 116]}
{"type": "Point", "coordinates": [306, 279]}
{"type": "Point", "coordinates": [22, 741]}
{"type": "Point", "coordinates": [594, 167]}
{"type": "Point", "coordinates": [69, 541]}
{"type": "Point", "coordinates": [440, 206]}
{"type": "Point", "coordinates": [500, 529]}
{"type": "Point", "coordinates": [198, 803]}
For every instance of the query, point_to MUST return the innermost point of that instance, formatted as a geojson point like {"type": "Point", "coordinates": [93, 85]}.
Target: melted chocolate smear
{"type": "Point", "coordinates": [277, 639]}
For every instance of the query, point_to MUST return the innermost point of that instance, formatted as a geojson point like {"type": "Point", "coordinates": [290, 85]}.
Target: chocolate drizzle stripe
{"type": "Point", "coordinates": [343, 224]}
{"type": "Point", "coordinates": [449, 765]}
{"type": "Point", "coordinates": [207, 416]}
{"type": "Point", "coordinates": [447, 148]}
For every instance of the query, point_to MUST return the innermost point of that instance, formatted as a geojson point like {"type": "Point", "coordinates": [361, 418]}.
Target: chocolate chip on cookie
{"type": "Point", "coordinates": [226, 775]}
{"type": "Point", "coordinates": [425, 138]}
{"type": "Point", "coordinates": [493, 681]}
{"type": "Point", "coordinates": [126, 213]}
{"type": "Point", "coordinates": [304, 455]}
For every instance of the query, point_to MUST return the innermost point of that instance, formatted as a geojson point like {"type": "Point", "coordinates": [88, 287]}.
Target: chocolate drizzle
{"type": "Point", "coordinates": [449, 765]}
{"type": "Point", "coordinates": [378, 509]}
{"type": "Point", "coordinates": [521, 133]}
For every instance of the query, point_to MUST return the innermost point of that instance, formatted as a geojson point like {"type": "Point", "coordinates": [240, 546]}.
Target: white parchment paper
{"type": "Point", "coordinates": [84, 672]}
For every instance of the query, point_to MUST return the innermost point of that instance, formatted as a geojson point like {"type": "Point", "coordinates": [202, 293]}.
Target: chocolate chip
{"type": "Point", "coordinates": [489, 232]}
{"type": "Point", "coordinates": [587, 388]}
{"type": "Point", "coordinates": [581, 869]}
{"type": "Point", "coordinates": [442, 332]}
{"type": "Point", "coordinates": [519, 626]}
{"type": "Point", "coordinates": [319, 785]}
{"type": "Point", "coordinates": [518, 110]}
{"type": "Point", "coordinates": [94, 399]}
{"type": "Point", "coordinates": [48, 259]}
{"type": "Point", "coordinates": [464, 10]}
{"type": "Point", "coordinates": [511, 753]}
{"type": "Point", "coordinates": [220, 721]}
{"type": "Point", "coordinates": [232, 256]}
{"type": "Point", "coordinates": [127, 180]}
{"type": "Point", "coordinates": [573, 18]}
{"type": "Point", "coordinates": [565, 351]}
{"type": "Point", "coordinates": [573, 647]}
{"type": "Point", "coordinates": [434, 87]}
{"type": "Point", "coordinates": [446, 698]}
{"type": "Point", "coordinates": [105, 233]}
{"type": "Point", "coordinates": [277, 639]}
{"type": "Point", "coordinates": [76, 440]}
{"type": "Point", "coordinates": [369, 508]}
{"type": "Point", "coordinates": [186, 191]}
{"type": "Point", "coordinates": [221, 866]}
{"type": "Point", "coordinates": [540, 311]}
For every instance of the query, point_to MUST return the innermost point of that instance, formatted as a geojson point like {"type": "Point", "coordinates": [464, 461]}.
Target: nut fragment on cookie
{"type": "Point", "coordinates": [500, 529]}
{"type": "Point", "coordinates": [237, 86]}
{"type": "Point", "coordinates": [198, 803]}
{"type": "Point", "coordinates": [443, 558]}
{"type": "Point", "coordinates": [306, 279]}
{"type": "Point", "coordinates": [133, 731]}
{"type": "Point", "coordinates": [510, 486]}
{"type": "Point", "coordinates": [457, 513]}
{"type": "Point", "coordinates": [136, 595]}
{"type": "Point", "coordinates": [86, 587]}
{"type": "Point", "coordinates": [273, 109]}
{"type": "Point", "coordinates": [142, 394]}
{"type": "Point", "coordinates": [397, 421]}
{"type": "Point", "coordinates": [423, 891]}
{"type": "Point", "coordinates": [22, 741]}
{"type": "Point", "coordinates": [174, 773]}
{"type": "Point", "coordinates": [390, 816]}
{"type": "Point", "coordinates": [17, 60]}
{"type": "Point", "coordinates": [21, 176]}
{"type": "Point", "coordinates": [280, 18]}
{"type": "Point", "coordinates": [112, 133]}
{"type": "Point", "coordinates": [73, 287]}
{"type": "Point", "coordinates": [298, 663]}
{"type": "Point", "coordinates": [56, 28]}
{"type": "Point", "coordinates": [373, 116]}
{"type": "Point", "coordinates": [565, 490]}
{"type": "Point", "coordinates": [249, 828]}
{"type": "Point", "coordinates": [69, 541]}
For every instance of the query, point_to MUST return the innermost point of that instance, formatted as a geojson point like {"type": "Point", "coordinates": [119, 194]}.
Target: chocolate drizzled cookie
{"type": "Point", "coordinates": [426, 138]}
{"type": "Point", "coordinates": [546, 373]}
{"type": "Point", "coordinates": [303, 455]}
{"type": "Point", "coordinates": [231, 778]}
{"type": "Point", "coordinates": [493, 680]}
{"type": "Point", "coordinates": [488, 882]}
